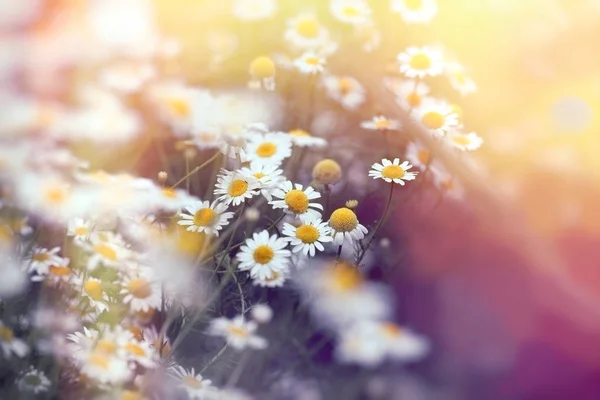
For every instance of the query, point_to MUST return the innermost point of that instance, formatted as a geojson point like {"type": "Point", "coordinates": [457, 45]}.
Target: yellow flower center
{"type": "Point", "coordinates": [350, 11]}
{"type": "Point", "coordinates": [262, 67]}
{"type": "Point", "coordinates": [135, 349]}
{"type": "Point", "coordinates": [297, 201]}
{"type": "Point", "coordinates": [32, 380]}
{"type": "Point", "coordinates": [179, 107]}
{"type": "Point", "coordinates": [420, 61]}
{"type": "Point", "coordinates": [191, 382]}
{"type": "Point", "coordinates": [413, 5]}
{"type": "Point", "coordinates": [99, 360]}
{"type": "Point", "coordinates": [259, 175]}
{"type": "Point", "coordinates": [105, 251]}
{"type": "Point", "coordinates": [343, 220]}
{"type": "Point", "coordinates": [423, 156]}
{"type": "Point", "coordinates": [383, 124]}
{"type": "Point", "coordinates": [169, 193]}
{"type": "Point", "coordinates": [56, 195]}
{"type": "Point", "coordinates": [307, 233]}
{"type": "Point", "coordinates": [461, 140]}
{"type": "Point", "coordinates": [299, 133]}
{"type": "Point", "coordinates": [93, 289]}
{"type": "Point", "coordinates": [263, 254]}
{"type": "Point", "coordinates": [266, 149]}
{"type": "Point", "coordinates": [130, 395]}
{"type": "Point", "coordinates": [273, 277]}
{"type": "Point", "coordinates": [106, 346]}
{"type": "Point", "coordinates": [312, 61]}
{"type": "Point", "coordinates": [205, 217]}
{"type": "Point", "coordinates": [6, 334]}
{"type": "Point", "coordinates": [59, 270]}
{"type": "Point", "coordinates": [327, 172]}
{"type": "Point", "coordinates": [309, 28]}
{"type": "Point", "coordinates": [391, 329]}
{"type": "Point", "coordinates": [140, 288]}
{"type": "Point", "coordinates": [413, 99]}
{"type": "Point", "coordinates": [238, 187]}
{"type": "Point", "coordinates": [81, 231]}
{"type": "Point", "coordinates": [345, 86]}
{"type": "Point", "coordinates": [393, 172]}
{"type": "Point", "coordinates": [345, 277]}
{"type": "Point", "coordinates": [238, 331]}
{"type": "Point", "coordinates": [433, 120]}
{"type": "Point", "coordinates": [41, 257]}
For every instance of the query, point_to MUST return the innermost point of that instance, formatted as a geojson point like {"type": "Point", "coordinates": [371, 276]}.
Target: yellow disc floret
{"type": "Point", "coordinates": [327, 172]}
{"type": "Point", "coordinates": [263, 254]}
{"type": "Point", "coordinates": [238, 187]}
{"type": "Point", "coordinates": [393, 172]}
{"type": "Point", "coordinates": [307, 233]}
{"type": "Point", "coordinates": [93, 289]}
{"type": "Point", "coordinates": [140, 288]}
{"type": "Point", "coordinates": [266, 149]}
{"type": "Point", "coordinates": [262, 67]}
{"type": "Point", "coordinates": [343, 220]}
{"type": "Point", "coordinates": [297, 201]}
{"type": "Point", "coordinates": [420, 61]}
{"type": "Point", "coordinates": [205, 217]}
{"type": "Point", "coordinates": [433, 120]}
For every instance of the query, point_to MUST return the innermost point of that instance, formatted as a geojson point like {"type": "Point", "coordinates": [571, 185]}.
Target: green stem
{"type": "Point", "coordinates": [379, 224]}
{"type": "Point", "coordinates": [198, 168]}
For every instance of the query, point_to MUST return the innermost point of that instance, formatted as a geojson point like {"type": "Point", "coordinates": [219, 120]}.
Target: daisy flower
{"type": "Point", "coordinates": [93, 290]}
{"type": "Point", "coordinates": [302, 138]}
{"type": "Point", "coordinates": [381, 123]}
{"type": "Point", "coordinates": [10, 344]}
{"type": "Point", "coordinates": [80, 229]}
{"type": "Point", "coordinates": [160, 344]}
{"type": "Point", "coordinates": [415, 11]}
{"type": "Point", "coordinates": [351, 11]}
{"type": "Point", "coordinates": [57, 272]}
{"type": "Point", "coordinates": [263, 254]}
{"type": "Point", "coordinates": [105, 367]}
{"type": "Point", "coordinates": [105, 249]}
{"type": "Point", "coordinates": [305, 31]}
{"type": "Point", "coordinates": [142, 291]}
{"type": "Point", "coordinates": [308, 237]}
{"type": "Point", "coordinates": [195, 386]}
{"type": "Point", "coordinates": [459, 79]}
{"type": "Point", "coordinates": [418, 155]}
{"type": "Point", "coordinates": [269, 177]}
{"type": "Point", "coordinates": [295, 200]}
{"type": "Point", "coordinates": [464, 141]}
{"type": "Point", "coordinates": [34, 381]}
{"type": "Point", "coordinates": [238, 332]}
{"type": "Point", "coordinates": [261, 313]}
{"type": "Point", "coordinates": [345, 90]}
{"type": "Point", "coordinates": [437, 116]}
{"type": "Point", "coordinates": [126, 77]}
{"type": "Point", "coordinates": [271, 148]}
{"type": "Point", "coordinates": [254, 10]}
{"type": "Point", "coordinates": [20, 225]}
{"type": "Point", "coordinates": [205, 217]}
{"type": "Point", "coordinates": [419, 62]}
{"type": "Point", "coordinates": [277, 279]}
{"type": "Point", "coordinates": [233, 187]}
{"type": "Point", "coordinates": [140, 352]}
{"type": "Point", "coordinates": [392, 171]}
{"type": "Point", "coordinates": [262, 73]}
{"type": "Point", "coordinates": [169, 199]}
{"type": "Point", "coordinates": [310, 63]}
{"type": "Point", "coordinates": [409, 93]}
{"type": "Point", "coordinates": [41, 259]}
{"type": "Point", "coordinates": [345, 226]}
{"type": "Point", "coordinates": [446, 183]}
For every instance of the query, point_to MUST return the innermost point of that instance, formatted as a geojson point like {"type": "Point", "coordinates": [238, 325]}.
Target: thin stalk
{"type": "Point", "coordinates": [198, 168]}
{"type": "Point", "coordinates": [379, 224]}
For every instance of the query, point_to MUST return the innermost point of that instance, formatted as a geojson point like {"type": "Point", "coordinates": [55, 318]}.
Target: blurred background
{"type": "Point", "coordinates": [509, 295]}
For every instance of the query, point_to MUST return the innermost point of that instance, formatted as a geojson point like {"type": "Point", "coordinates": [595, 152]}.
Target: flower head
{"type": "Point", "coordinates": [381, 123]}
{"type": "Point", "coordinates": [392, 171]}
{"type": "Point", "coordinates": [308, 237]}
{"type": "Point", "coordinates": [345, 226]}
{"type": "Point", "coordinates": [205, 217]}
{"type": "Point", "coordinates": [234, 187]}
{"type": "Point", "coordinates": [263, 255]}
{"type": "Point", "coordinates": [419, 62]}
{"type": "Point", "coordinates": [296, 200]}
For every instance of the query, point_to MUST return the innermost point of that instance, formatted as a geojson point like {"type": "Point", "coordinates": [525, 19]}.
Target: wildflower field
{"type": "Point", "coordinates": [305, 200]}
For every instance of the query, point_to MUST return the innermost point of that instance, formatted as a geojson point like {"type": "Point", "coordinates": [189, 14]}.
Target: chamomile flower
{"type": "Point", "coordinates": [92, 289]}
{"type": "Point", "coordinates": [261, 313]}
{"type": "Point", "coordinates": [205, 217]}
{"type": "Point", "coordinates": [269, 177]}
{"type": "Point", "coordinates": [263, 254]}
{"type": "Point", "coordinates": [381, 123]}
{"type": "Point", "coordinates": [296, 200]}
{"type": "Point", "coordinates": [277, 279]}
{"type": "Point", "coordinates": [409, 93]}
{"type": "Point", "coordinates": [254, 10]}
{"type": "Point", "coordinates": [262, 71]}
{"type": "Point", "coordinates": [160, 344]}
{"type": "Point", "coordinates": [310, 63]}
{"type": "Point", "coordinates": [447, 183]}
{"type": "Point", "coordinates": [302, 138]}
{"type": "Point", "coordinates": [194, 384]}
{"type": "Point", "coordinates": [345, 90]}
{"type": "Point", "coordinates": [105, 249]}
{"type": "Point", "coordinates": [415, 11]}
{"type": "Point", "coordinates": [460, 81]}
{"type": "Point", "coordinates": [139, 352]}
{"type": "Point", "coordinates": [464, 141]}
{"type": "Point", "coordinates": [419, 62]}
{"type": "Point", "coordinates": [437, 117]}
{"type": "Point", "coordinates": [57, 272]}
{"type": "Point", "coordinates": [305, 31]}
{"type": "Point", "coordinates": [80, 229]}
{"type": "Point", "coordinates": [233, 187]}
{"type": "Point", "coordinates": [351, 11]}
{"type": "Point", "coordinates": [142, 291]}
{"type": "Point", "coordinates": [418, 155]}
{"type": "Point", "coordinates": [41, 259]}
{"type": "Point", "coordinates": [105, 367]}
{"type": "Point", "coordinates": [308, 237]}
{"type": "Point", "coordinates": [33, 381]}
{"type": "Point", "coordinates": [238, 332]}
{"type": "Point", "coordinates": [271, 148]}
{"type": "Point", "coordinates": [10, 344]}
{"type": "Point", "coordinates": [345, 226]}
{"type": "Point", "coordinates": [393, 171]}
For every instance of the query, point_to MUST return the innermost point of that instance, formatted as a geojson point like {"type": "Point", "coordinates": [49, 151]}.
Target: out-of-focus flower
{"type": "Point", "coordinates": [234, 187]}
{"type": "Point", "coordinates": [345, 227]}
{"type": "Point", "coordinates": [41, 259]}
{"type": "Point", "coordinates": [263, 254]}
{"type": "Point", "coordinates": [205, 217]}
{"type": "Point", "coordinates": [381, 123]}
{"type": "Point", "coordinates": [345, 90]}
{"type": "Point", "coordinates": [419, 62]}
{"type": "Point", "coordinates": [302, 138]}
{"type": "Point", "coordinates": [126, 77]}
{"type": "Point", "coordinates": [310, 63]}
{"type": "Point", "coordinates": [262, 313]}
{"type": "Point", "coordinates": [446, 183]}
{"type": "Point", "coordinates": [327, 172]}
{"type": "Point", "coordinates": [418, 155]}
{"type": "Point", "coordinates": [464, 141]}
{"type": "Point", "coordinates": [436, 116]}
{"type": "Point", "coordinates": [262, 71]}
{"type": "Point", "coordinates": [142, 291]}
{"type": "Point", "coordinates": [460, 81]}
{"type": "Point", "coordinates": [296, 200]}
{"type": "Point", "coordinates": [268, 149]}
{"type": "Point", "coordinates": [33, 380]}
{"type": "Point", "coordinates": [393, 171]}
{"type": "Point", "coordinates": [238, 332]}
{"type": "Point", "coordinates": [277, 279]}
{"type": "Point", "coordinates": [80, 229]}
{"type": "Point", "coordinates": [415, 11]}
{"type": "Point", "coordinates": [305, 31]}
{"type": "Point", "coordinates": [11, 344]}
{"type": "Point", "coordinates": [308, 237]}
{"type": "Point", "coordinates": [254, 10]}
{"type": "Point", "coordinates": [194, 384]}
{"type": "Point", "coordinates": [351, 11]}
{"type": "Point", "coordinates": [409, 93]}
